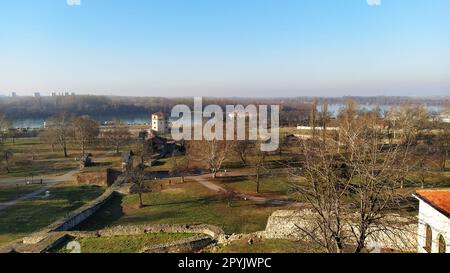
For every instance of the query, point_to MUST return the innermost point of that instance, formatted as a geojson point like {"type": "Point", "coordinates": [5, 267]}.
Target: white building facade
{"type": "Point", "coordinates": [159, 123]}
{"type": "Point", "coordinates": [434, 221]}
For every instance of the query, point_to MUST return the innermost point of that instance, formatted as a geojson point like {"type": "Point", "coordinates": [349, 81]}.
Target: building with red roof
{"type": "Point", "coordinates": [434, 221]}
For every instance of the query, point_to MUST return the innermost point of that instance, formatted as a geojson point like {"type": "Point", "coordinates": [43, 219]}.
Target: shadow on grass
{"type": "Point", "coordinates": [184, 211]}
{"type": "Point", "coordinates": [107, 215]}
{"type": "Point", "coordinates": [233, 179]}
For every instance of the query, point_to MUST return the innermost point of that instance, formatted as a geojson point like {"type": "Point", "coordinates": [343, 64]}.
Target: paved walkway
{"type": "Point", "coordinates": [49, 183]}
{"type": "Point", "coordinates": [45, 179]}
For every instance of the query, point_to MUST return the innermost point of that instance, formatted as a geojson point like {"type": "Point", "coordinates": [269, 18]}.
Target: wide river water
{"type": "Point", "coordinates": [145, 118]}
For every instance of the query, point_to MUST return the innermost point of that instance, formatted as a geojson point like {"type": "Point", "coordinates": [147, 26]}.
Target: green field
{"type": "Point", "coordinates": [187, 203]}
{"type": "Point", "coordinates": [268, 185]}
{"type": "Point", "coordinates": [9, 193]}
{"type": "Point", "coordinates": [34, 214]}
{"type": "Point", "coordinates": [124, 244]}
{"type": "Point", "coordinates": [32, 157]}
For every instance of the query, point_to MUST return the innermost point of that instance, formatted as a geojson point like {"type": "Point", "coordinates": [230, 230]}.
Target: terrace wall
{"type": "Point", "coordinates": [400, 233]}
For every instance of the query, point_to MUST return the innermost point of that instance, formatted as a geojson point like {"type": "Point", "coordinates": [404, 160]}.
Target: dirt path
{"type": "Point", "coordinates": [40, 191]}
{"type": "Point", "coordinates": [49, 183]}
{"type": "Point", "coordinates": [45, 179]}
{"type": "Point", "coordinates": [204, 180]}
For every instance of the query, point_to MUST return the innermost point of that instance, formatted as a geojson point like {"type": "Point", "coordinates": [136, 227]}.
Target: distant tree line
{"type": "Point", "coordinates": [292, 111]}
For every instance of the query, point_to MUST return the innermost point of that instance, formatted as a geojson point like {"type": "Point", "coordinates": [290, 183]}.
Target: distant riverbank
{"type": "Point", "coordinates": [37, 123]}
{"type": "Point", "coordinates": [144, 118]}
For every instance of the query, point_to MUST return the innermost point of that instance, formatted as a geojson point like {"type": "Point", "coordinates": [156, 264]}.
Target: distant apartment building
{"type": "Point", "coordinates": [37, 95]}
{"type": "Point", "coordinates": [13, 94]}
{"type": "Point", "coordinates": [159, 123]}
{"type": "Point", "coordinates": [434, 221]}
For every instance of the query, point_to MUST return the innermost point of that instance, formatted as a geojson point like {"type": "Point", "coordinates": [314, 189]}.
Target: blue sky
{"type": "Point", "coordinates": [226, 47]}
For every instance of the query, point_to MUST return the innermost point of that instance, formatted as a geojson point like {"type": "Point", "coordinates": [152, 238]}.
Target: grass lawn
{"type": "Point", "coordinates": [268, 246]}
{"type": "Point", "coordinates": [34, 214]}
{"type": "Point", "coordinates": [162, 165]}
{"type": "Point", "coordinates": [187, 203]}
{"type": "Point", "coordinates": [9, 193]}
{"type": "Point", "coordinates": [432, 180]}
{"type": "Point", "coordinates": [268, 185]}
{"type": "Point", "coordinates": [124, 244]}
{"type": "Point", "coordinates": [32, 157]}
{"type": "Point", "coordinates": [272, 161]}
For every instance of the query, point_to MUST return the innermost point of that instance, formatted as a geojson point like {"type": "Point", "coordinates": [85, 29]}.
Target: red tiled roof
{"type": "Point", "coordinates": [159, 114]}
{"type": "Point", "coordinates": [439, 199]}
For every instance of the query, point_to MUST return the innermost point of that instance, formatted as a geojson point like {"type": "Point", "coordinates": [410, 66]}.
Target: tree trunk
{"type": "Point", "coordinates": [7, 165]}
{"type": "Point", "coordinates": [360, 247]}
{"type": "Point", "coordinates": [257, 181]}
{"type": "Point", "coordinates": [361, 240]}
{"type": "Point", "coordinates": [65, 151]}
{"type": "Point", "coordinates": [444, 163]}
{"type": "Point", "coordinates": [141, 204]}
{"type": "Point", "coordinates": [244, 162]}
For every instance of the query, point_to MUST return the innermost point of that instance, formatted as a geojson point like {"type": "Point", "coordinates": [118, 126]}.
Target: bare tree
{"type": "Point", "coordinates": [180, 166]}
{"type": "Point", "coordinates": [5, 129]}
{"type": "Point", "coordinates": [413, 121]}
{"type": "Point", "coordinates": [144, 149]}
{"type": "Point", "coordinates": [86, 131]}
{"type": "Point", "coordinates": [324, 118]}
{"type": "Point", "coordinates": [228, 196]}
{"type": "Point", "coordinates": [61, 127]}
{"type": "Point", "coordinates": [313, 117]}
{"type": "Point", "coordinates": [215, 153]}
{"type": "Point", "coordinates": [137, 177]}
{"type": "Point", "coordinates": [117, 135]}
{"type": "Point", "coordinates": [350, 189]}
{"type": "Point", "coordinates": [242, 149]}
{"type": "Point", "coordinates": [258, 162]}
{"type": "Point", "coordinates": [5, 125]}
{"type": "Point", "coordinates": [420, 157]}
{"type": "Point", "coordinates": [6, 157]}
{"type": "Point", "coordinates": [441, 143]}
{"type": "Point", "coordinates": [12, 134]}
{"type": "Point", "coordinates": [50, 137]}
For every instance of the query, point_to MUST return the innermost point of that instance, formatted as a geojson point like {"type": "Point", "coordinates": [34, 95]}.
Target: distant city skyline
{"type": "Point", "coordinates": [225, 48]}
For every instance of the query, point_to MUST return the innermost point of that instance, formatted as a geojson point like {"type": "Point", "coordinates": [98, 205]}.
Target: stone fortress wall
{"type": "Point", "coordinates": [282, 224]}
{"type": "Point", "coordinates": [400, 234]}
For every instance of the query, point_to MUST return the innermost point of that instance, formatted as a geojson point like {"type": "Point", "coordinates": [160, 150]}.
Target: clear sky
{"type": "Point", "coordinates": [226, 47]}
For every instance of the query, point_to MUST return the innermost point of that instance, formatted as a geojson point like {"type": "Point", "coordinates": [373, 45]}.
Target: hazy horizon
{"type": "Point", "coordinates": [253, 48]}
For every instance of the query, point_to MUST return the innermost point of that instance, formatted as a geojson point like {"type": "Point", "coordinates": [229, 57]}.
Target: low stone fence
{"type": "Point", "coordinates": [189, 245]}
{"type": "Point", "coordinates": [194, 244]}
{"type": "Point", "coordinates": [104, 178]}
{"type": "Point", "coordinates": [213, 232]}
{"type": "Point", "coordinates": [400, 233]}
{"type": "Point", "coordinates": [76, 217]}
